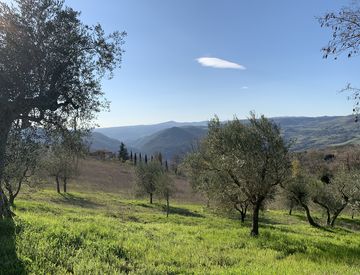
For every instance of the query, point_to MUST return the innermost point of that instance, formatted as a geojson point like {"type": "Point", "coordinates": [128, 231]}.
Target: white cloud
{"type": "Point", "coordinates": [219, 63]}
{"type": "Point", "coordinates": [244, 87]}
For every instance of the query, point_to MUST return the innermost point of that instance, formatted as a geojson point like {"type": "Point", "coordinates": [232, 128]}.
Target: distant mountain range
{"type": "Point", "coordinates": [134, 133]}
{"type": "Point", "coordinates": [99, 141]}
{"type": "Point", "coordinates": [175, 138]}
{"type": "Point", "coordinates": [171, 141]}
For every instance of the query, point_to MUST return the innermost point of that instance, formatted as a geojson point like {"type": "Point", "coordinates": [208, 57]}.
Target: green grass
{"type": "Point", "coordinates": [105, 234]}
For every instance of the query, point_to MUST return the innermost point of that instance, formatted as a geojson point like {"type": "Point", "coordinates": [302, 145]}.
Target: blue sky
{"type": "Point", "coordinates": [275, 45]}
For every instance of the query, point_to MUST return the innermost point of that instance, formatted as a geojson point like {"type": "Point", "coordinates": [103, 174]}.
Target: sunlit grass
{"type": "Point", "coordinates": [105, 234]}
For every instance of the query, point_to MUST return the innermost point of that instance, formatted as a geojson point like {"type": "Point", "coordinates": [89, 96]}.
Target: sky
{"type": "Point", "coordinates": [189, 60]}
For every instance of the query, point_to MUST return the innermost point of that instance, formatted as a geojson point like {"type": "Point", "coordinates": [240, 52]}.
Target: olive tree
{"type": "Point", "coordinates": [21, 160]}
{"type": "Point", "coordinates": [342, 191]}
{"type": "Point", "coordinates": [51, 66]}
{"type": "Point", "coordinates": [165, 188]}
{"type": "Point", "coordinates": [299, 190]}
{"type": "Point", "coordinates": [61, 164]}
{"type": "Point", "coordinates": [62, 158]}
{"type": "Point", "coordinates": [215, 185]}
{"type": "Point", "coordinates": [328, 181]}
{"type": "Point", "coordinates": [244, 160]}
{"type": "Point", "coordinates": [146, 178]}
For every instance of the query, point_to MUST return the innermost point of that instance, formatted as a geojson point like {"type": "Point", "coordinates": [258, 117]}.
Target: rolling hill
{"type": "Point", "coordinates": [172, 138]}
{"type": "Point", "coordinates": [98, 141]}
{"type": "Point", "coordinates": [319, 132]}
{"type": "Point", "coordinates": [133, 133]}
{"type": "Point", "coordinates": [172, 141]}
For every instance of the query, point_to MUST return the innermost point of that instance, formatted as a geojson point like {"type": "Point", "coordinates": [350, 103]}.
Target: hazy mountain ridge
{"type": "Point", "coordinates": [134, 133]}
{"type": "Point", "coordinates": [172, 138]}
{"type": "Point", "coordinates": [98, 141]}
{"type": "Point", "coordinates": [173, 141]}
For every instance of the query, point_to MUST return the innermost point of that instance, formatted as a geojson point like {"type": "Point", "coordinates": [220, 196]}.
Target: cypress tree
{"type": "Point", "coordinates": [123, 153]}
{"type": "Point", "coordinates": [135, 159]}
{"type": "Point", "coordinates": [146, 159]}
{"type": "Point", "coordinates": [160, 158]}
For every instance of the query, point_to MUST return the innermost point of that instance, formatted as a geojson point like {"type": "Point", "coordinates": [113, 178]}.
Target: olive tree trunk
{"type": "Point", "coordinates": [5, 126]}
{"type": "Point", "coordinates": [255, 219]}
{"type": "Point", "coordinates": [242, 210]}
{"type": "Point", "coordinates": [337, 213]}
{"type": "Point", "coordinates": [12, 194]}
{"type": "Point", "coordinates": [65, 185]}
{"type": "Point", "coordinates": [12, 197]}
{"type": "Point", "coordinates": [57, 178]}
{"type": "Point", "coordinates": [309, 217]}
{"type": "Point", "coordinates": [5, 210]}
{"type": "Point", "coordinates": [328, 219]}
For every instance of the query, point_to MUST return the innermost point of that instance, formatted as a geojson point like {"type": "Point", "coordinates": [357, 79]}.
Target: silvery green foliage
{"type": "Point", "coordinates": [240, 162]}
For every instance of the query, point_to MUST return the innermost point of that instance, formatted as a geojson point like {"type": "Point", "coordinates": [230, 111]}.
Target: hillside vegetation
{"type": "Point", "coordinates": [104, 233]}
{"type": "Point", "coordinates": [172, 141]}
{"type": "Point", "coordinates": [177, 139]}
{"type": "Point", "coordinates": [121, 234]}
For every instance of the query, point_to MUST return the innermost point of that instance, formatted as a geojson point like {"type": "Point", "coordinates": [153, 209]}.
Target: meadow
{"type": "Point", "coordinates": [106, 233]}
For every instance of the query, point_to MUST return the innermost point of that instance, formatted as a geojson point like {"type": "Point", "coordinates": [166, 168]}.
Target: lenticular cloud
{"type": "Point", "coordinates": [219, 63]}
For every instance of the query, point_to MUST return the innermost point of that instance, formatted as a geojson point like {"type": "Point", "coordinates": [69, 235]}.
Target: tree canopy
{"type": "Point", "coordinates": [51, 66]}
{"type": "Point", "coordinates": [241, 163]}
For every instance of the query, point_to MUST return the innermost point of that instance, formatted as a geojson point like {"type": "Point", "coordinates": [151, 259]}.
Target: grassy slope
{"type": "Point", "coordinates": [102, 231]}
{"type": "Point", "coordinates": [87, 233]}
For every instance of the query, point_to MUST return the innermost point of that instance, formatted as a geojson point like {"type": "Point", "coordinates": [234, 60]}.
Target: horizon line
{"type": "Point", "coordinates": [203, 121]}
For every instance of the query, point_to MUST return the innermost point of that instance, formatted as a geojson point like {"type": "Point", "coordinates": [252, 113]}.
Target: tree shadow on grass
{"type": "Point", "coordinates": [350, 224]}
{"type": "Point", "coordinates": [300, 216]}
{"type": "Point", "coordinates": [282, 228]}
{"type": "Point", "coordinates": [322, 226]}
{"type": "Point", "coordinates": [273, 224]}
{"type": "Point", "coordinates": [9, 262]}
{"type": "Point", "coordinates": [75, 201]}
{"type": "Point", "coordinates": [265, 220]}
{"type": "Point", "coordinates": [183, 212]}
{"type": "Point", "coordinates": [336, 253]}
{"type": "Point", "coordinates": [315, 251]}
{"type": "Point", "coordinates": [145, 205]}
{"type": "Point", "coordinates": [173, 210]}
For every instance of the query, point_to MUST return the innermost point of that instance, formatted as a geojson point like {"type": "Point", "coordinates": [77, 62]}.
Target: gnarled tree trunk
{"type": "Point", "coordinates": [5, 126]}
{"type": "Point", "coordinates": [12, 195]}
{"type": "Point", "coordinates": [308, 216]}
{"type": "Point", "coordinates": [5, 210]}
{"type": "Point", "coordinates": [337, 213]}
{"type": "Point", "coordinates": [255, 222]}
{"type": "Point", "coordinates": [242, 210]}
{"type": "Point", "coordinates": [328, 220]}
